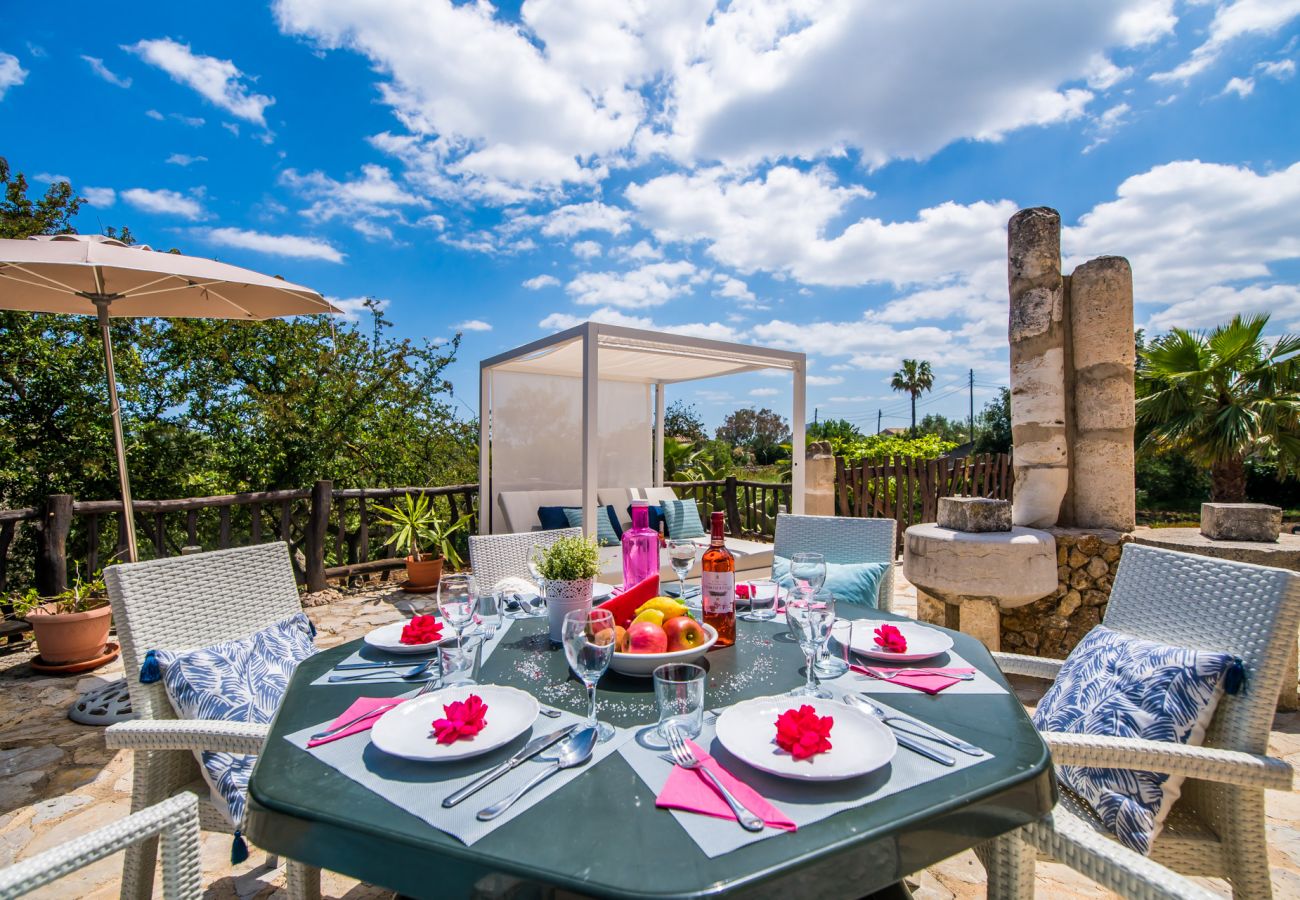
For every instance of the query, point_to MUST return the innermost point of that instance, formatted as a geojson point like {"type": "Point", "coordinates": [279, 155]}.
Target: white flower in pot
{"type": "Point", "coordinates": [569, 567]}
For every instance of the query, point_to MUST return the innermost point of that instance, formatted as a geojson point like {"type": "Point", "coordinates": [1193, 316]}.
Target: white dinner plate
{"type": "Point", "coordinates": [407, 730]}
{"type": "Point", "coordinates": [601, 592]}
{"type": "Point", "coordinates": [859, 743]}
{"type": "Point", "coordinates": [389, 639]}
{"type": "Point", "coordinates": [922, 642]}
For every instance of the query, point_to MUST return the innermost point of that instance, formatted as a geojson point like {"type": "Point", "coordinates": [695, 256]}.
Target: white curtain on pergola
{"type": "Point", "coordinates": [580, 409]}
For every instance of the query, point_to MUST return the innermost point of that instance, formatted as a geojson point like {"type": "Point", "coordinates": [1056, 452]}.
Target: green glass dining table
{"type": "Point", "coordinates": [602, 836]}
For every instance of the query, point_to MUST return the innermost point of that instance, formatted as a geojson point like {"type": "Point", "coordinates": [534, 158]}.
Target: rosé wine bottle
{"type": "Point", "coordinates": [640, 547]}
{"type": "Point", "coordinates": [718, 585]}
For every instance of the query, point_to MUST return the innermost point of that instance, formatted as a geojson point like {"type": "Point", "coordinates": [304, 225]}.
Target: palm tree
{"type": "Point", "coordinates": [1221, 397]}
{"type": "Point", "coordinates": [915, 378]}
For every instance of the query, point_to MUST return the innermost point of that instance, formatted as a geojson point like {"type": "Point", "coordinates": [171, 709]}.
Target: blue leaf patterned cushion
{"type": "Point", "coordinates": [235, 681]}
{"type": "Point", "coordinates": [1117, 685]}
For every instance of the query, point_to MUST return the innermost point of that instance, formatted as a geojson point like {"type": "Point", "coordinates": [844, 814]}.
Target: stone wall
{"type": "Point", "coordinates": [1086, 562]}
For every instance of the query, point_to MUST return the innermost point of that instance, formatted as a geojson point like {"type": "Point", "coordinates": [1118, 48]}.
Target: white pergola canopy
{"type": "Point", "coordinates": [578, 409]}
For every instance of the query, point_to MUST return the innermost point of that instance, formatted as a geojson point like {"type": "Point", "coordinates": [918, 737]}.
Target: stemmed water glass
{"type": "Point", "coordinates": [535, 557]}
{"type": "Point", "coordinates": [682, 555]}
{"type": "Point", "coordinates": [808, 572]}
{"type": "Point", "coordinates": [588, 636]}
{"type": "Point", "coordinates": [456, 602]}
{"type": "Point", "coordinates": [811, 619]}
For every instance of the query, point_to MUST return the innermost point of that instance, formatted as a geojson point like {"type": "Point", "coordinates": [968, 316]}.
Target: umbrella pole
{"type": "Point", "coordinates": [119, 444]}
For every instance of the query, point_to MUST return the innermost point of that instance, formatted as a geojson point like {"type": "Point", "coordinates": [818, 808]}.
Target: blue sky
{"type": "Point", "coordinates": [832, 176]}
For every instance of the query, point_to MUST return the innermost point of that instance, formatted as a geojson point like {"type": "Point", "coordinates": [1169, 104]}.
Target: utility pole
{"type": "Point", "coordinates": [878, 412]}
{"type": "Point", "coordinates": [972, 406]}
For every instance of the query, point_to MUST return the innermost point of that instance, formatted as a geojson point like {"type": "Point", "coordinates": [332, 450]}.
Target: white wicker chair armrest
{"type": "Point", "coordinates": [1029, 666]}
{"type": "Point", "coordinates": [176, 818]}
{"type": "Point", "coordinates": [1208, 763]}
{"type": "Point", "coordinates": [187, 734]}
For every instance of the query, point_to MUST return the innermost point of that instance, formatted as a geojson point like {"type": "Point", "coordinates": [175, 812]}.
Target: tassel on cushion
{"type": "Point", "coordinates": [1234, 681]}
{"type": "Point", "coordinates": [238, 849]}
{"type": "Point", "coordinates": [149, 671]}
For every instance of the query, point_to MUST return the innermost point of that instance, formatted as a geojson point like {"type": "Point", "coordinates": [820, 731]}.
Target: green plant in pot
{"type": "Point", "coordinates": [427, 539]}
{"type": "Point", "coordinates": [569, 566]}
{"type": "Point", "coordinates": [70, 627]}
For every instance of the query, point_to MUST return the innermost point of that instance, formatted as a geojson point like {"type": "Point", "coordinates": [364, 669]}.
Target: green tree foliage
{"type": "Point", "coordinates": [759, 432]}
{"type": "Point", "coordinates": [1223, 397]}
{"type": "Point", "coordinates": [832, 429]}
{"type": "Point", "coordinates": [683, 420]}
{"type": "Point", "coordinates": [949, 429]}
{"type": "Point", "coordinates": [993, 425]}
{"type": "Point", "coordinates": [21, 216]}
{"type": "Point", "coordinates": [879, 446]}
{"type": "Point", "coordinates": [913, 379]}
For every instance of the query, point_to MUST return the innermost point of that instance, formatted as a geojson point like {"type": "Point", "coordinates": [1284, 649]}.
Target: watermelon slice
{"type": "Point", "coordinates": [625, 604]}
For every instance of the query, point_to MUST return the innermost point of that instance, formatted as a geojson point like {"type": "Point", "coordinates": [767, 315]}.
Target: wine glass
{"type": "Point", "coordinates": [682, 556]}
{"type": "Point", "coordinates": [588, 636]}
{"type": "Point", "coordinates": [808, 571]}
{"type": "Point", "coordinates": [456, 602]}
{"type": "Point", "coordinates": [811, 620]}
{"type": "Point", "coordinates": [536, 556]}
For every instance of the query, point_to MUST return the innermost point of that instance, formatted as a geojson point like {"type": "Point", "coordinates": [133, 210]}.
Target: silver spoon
{"type": "Point", "coordinates": [920, 729]}
{"type": "Point", "coordinates": [409, 675]}
{"type": "Point", "coordinates": [575, 751]}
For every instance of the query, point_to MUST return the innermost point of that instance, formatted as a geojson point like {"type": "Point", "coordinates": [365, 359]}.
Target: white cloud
{"type": "Point", "coordinates": [764, 392]}
{"type": "Point", "coordinates": [52, 179]}
{"type": "Point", "coordinates": [473, 325]}
{"type": "Point", "coordinates": [163, 202]}
{"type": "Point", "coordinates": [1107, 124]}
{"type": "Point", "coordinates": [651, 285]}
{"type": "Point", "coordinates": [857, 399]}
{"type": "Point", "coordinates": [540, 281]}
{"type": "Point", "coordinates": [12, 73]}
{"type": "Point", "coordinates": [640, 251]}
{"type": "Point", "coordinates": [711, 330]}
{"type": "Point", "coordinates": [154, 114]}
{"type": "Point", "coordinates": [184, 159]}
{"type": "Point", "coordinates": [735, 289]}
{"type": "Point", "coordinates": [271, 244]}
{"type": "Point", "coordinates": [586, 249]}
{"type": "Point", "coordinates": [359, 202]}
{"type": "Point", "coordinates": [232, 127]}
{"type": "Point", "coordinates": [576, 218]}
{"type": "Point", "coordinates": [1104, 74]}
{"type": "Point", "coordinates": [824, 380]}
{"type": "Point", "coordinates": [99, 196]}
{"type": "Point", "coordinates": [1281, 69]}
{"type": "Point", "coordinates": [1242, 87]}
{"type": "Point", "coordinates": [219, 81]}
{"type": "Point", "coordinates": [354, 307]}
{"type": "Point", "coordinates": [1243, 18]}
{"type": "Point", "coordinates": [97, 66]}
{"type": "Point", "coordinates": [779, 222]}
{"type": "Point", "coordinates": [1216, 305]}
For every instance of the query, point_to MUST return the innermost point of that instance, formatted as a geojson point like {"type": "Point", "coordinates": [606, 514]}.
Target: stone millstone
{"type": "Point", "coordinates": [974, 514]}
{"type": "Point", "coordinates": [1241, 522]}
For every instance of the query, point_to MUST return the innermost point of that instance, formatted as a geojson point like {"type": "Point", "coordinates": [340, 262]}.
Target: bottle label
{"type": "Point", "coordinates": [718, 592]}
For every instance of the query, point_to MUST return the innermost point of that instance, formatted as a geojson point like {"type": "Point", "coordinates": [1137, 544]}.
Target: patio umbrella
{"type": "Point", "coordinates": [97, 276]}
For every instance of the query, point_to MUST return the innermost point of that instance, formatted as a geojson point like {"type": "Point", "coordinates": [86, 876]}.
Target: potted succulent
{"type": "Point", "coordinates": [71, 627]}
{"type": "Point", "coordinates": [569, 567]}
{"type": "Point", "coordinates": [427, 540]}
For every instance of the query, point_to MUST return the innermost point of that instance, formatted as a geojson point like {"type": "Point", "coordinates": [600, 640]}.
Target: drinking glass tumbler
{"type": "Point", "coordinates": [679, 691]}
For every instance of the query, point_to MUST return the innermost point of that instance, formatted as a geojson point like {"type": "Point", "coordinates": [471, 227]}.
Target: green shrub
{"type": "Point", "coordinates": [570, 559]}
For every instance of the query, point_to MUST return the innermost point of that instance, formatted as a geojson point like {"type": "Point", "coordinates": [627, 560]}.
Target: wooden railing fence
{"type": "Point", "coordinates": [751, 507]}
{"type": "Point", "coordinates": [908, 489]}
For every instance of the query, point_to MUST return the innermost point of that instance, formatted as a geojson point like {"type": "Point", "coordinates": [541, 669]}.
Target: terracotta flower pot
{"type": "Point", "coordinates": [423, 573]}
{"type": "Point", "coordinates": [64, 638]}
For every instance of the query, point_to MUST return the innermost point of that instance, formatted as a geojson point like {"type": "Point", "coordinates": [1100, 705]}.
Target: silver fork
{"type": "Point", "coordinates": [685, 757]}
{"type": "Point", "coordinates": [920, 729]}
{"type": "Point", "coordinates": [330, 732]}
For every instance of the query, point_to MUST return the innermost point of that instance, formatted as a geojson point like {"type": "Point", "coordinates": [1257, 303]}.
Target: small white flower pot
{"type": "Point", "coordinates": [562, 598]}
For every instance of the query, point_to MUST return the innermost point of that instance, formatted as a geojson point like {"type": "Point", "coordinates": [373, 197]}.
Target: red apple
{"type": "Point", "coordinates": [683, 633]}
{"type": "Point", "coordinates": [646, 637]}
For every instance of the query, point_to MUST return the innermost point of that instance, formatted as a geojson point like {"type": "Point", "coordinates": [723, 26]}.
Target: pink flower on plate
{"type": "Point", "coordinates": [890, 638]}
{"type": "Point", "coordinates": [464, 719]}
{"type": "Point", "coordinates": [802, 733]}
{"type": "Point", "coordinates": [422, 630]}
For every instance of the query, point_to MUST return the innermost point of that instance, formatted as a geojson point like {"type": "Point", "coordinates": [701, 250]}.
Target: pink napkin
{"type": "Point", "coordinates": [931, 683]}
{"type": "Point", "coordinates": [691, 792]}
{"type": "Point", "coordinates": [377, 705]}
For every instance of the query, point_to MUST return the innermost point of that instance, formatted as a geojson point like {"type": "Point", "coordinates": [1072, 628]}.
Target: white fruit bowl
{"type": "Point", "coordinates": [643, 665]}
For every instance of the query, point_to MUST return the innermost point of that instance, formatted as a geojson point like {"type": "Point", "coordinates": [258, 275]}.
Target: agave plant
{"type": "Point", "coordinates": [1222, 396]}
{"type": "Point", "coordinates": [418, 528]}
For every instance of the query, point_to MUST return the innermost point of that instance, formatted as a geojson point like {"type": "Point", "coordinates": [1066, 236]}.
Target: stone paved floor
{"type": "Point", "coordinates": [57, 781]}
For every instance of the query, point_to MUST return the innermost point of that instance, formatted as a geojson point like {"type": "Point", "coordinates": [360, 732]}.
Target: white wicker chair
{"type": "Point", "coordinates": [1216, 828]}
{"type": "Point", "coordinates": [175, 819]}
{"type": "Point", "coordinates": [493, 557]}
{"type": "Point", "coordinates": [183, 603]}
{"type": "Point", "coordinates": [841, 540]}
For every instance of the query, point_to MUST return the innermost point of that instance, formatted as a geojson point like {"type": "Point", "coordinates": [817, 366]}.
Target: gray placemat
{"type": "Point", "coordinates": [950, 660]}
{"type": "Point", "coordinates": [420, 787]}
{"type": "Point", "coordinates": [802, 802]}
{"type": "Point", "coordinates": [366, 653]}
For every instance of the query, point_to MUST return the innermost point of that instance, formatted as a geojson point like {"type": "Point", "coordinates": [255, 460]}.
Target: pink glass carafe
{"type": "Point", "coordinates": [640, 546]}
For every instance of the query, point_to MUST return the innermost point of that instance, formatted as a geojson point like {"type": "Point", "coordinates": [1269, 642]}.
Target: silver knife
{"type": "Point", "coordinates": [917, 747]}
{"type": "Point", "coordinates": [415, 661]}
{"type": "Point", "coordinates": [531, 749]}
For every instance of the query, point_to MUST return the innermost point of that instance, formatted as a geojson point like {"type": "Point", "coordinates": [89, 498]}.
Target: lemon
{"type": "Point", "coordinates": [655, 616]}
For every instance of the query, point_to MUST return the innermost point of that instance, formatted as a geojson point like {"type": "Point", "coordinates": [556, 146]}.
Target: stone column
{"type": "Point", "coordinates": [1102, 351]}
{"type": "Point", "coordinates": [819, 489]}
{"type": "Point", "coordinates": [1038, 391]}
